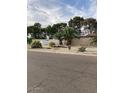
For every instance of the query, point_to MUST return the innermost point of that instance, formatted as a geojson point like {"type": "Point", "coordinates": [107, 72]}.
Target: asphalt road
{"type": "Point", "coordinates": [60, 73]}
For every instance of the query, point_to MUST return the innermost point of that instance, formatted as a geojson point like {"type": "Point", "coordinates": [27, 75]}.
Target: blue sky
{"type": "Point", "coordinates": [48, 12]}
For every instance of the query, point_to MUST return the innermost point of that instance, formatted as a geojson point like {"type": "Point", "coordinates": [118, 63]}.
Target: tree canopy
{"type": "Point", "coordinates": [69, 33]}
{"type": "Point", "coordinates": [51, 30]}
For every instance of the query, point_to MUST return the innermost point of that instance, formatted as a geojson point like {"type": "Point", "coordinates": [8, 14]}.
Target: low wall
{"type": "Point", "coordinates": [84, 41]}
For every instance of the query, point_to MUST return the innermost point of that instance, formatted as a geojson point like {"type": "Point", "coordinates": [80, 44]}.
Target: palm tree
{"type": "Point", "coordinates": [59, 36]}
{"type": "Point", "coordinates": [69, 33]}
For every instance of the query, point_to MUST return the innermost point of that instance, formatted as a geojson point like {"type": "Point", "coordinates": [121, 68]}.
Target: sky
{"type": "Point", "coordinates": [48, 12]}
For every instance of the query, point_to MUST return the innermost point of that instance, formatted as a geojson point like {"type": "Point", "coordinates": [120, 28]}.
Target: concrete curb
{"type": "Point", "coordinates": [84, 54]}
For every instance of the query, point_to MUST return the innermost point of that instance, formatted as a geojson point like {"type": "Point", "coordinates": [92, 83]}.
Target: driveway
{"type": "Point", "coordinates": [61, 73]}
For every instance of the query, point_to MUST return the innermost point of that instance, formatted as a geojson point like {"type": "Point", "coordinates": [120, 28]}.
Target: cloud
{"type": "Point", "coordinates": [42, 12]}
{"type": "Point", "coordinates": [48, 12]}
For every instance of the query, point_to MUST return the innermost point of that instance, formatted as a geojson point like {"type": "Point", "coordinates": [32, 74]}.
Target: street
{"type": "Point", "coordinates": [61, 73]}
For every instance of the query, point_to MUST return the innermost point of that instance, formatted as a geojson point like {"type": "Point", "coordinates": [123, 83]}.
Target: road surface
{"type": "Point", "coordinates": [61, 73]}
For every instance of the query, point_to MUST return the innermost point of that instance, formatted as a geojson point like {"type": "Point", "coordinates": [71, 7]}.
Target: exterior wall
{"type": "Point", "coordinates": [45, 42]}
{"type": "Point", "coordinates": [85, 32]}
{"type": "Point", "coordinates": [84, 41]}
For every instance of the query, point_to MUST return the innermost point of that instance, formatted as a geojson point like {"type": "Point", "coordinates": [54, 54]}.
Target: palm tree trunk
{"type": "Point", "coordinates": [69, 42]}
{"type": "Point", "coordinates": [60, 42]}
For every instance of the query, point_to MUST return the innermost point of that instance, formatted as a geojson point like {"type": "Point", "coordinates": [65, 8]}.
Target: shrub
{"type": "Point", "coordinates": [29, 40]}
{"type": "Point", "coordinates": [48, 48]}
{"type": "Point", "coordinates": [51, 44]}
{"type": "Point", "coordinates": [36, 44]}
{"type": "Point", "coordinates": [82, 49]}
{"type": "Point", "coordinates": [94, 41]}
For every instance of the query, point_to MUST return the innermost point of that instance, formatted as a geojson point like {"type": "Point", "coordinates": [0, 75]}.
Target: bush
{"type": "Point", "coordinates": [94, 41]}
{"type": "Point", "coordinates": [29, 40]}
{"type": "Point", "coordinates": [82, 49]}
{"type": "Point", "coordinates": [36, 44]}
{"type": "Point", "coordinates": [51, 44]}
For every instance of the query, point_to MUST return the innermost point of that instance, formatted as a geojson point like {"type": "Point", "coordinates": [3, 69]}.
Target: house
{"type": "Point", "coordinates": [86, 37]}
{"type": "Point", "coordinates": [86, 32]}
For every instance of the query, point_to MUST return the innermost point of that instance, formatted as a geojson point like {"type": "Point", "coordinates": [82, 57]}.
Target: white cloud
{"type": "Point", "coordinates": [54, 11]}
{"type": "Point", "coordinates": [43, 14]}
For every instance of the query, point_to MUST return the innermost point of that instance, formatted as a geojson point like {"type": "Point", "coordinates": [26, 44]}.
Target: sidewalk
{"type": "Point", "coordinates": [74, 50]}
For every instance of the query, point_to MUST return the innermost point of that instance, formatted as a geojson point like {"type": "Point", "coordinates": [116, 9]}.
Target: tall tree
{"type": "Point", "coordinates": [49, 30]}
{"type": "Point", "coordinates": [76, 23]}
{"type": "Point", "coordinates": [37, 30]}
{"type": "Point", "coordinates": [43, 33]}
{"type": "Point", "coordinates": [59, 36]}
{"type": "Point", "coordinates": [38, 25]}
{"type": "Point", "coordinates": [30, 30]}
{"type": "Point", "coordinates": [69, 33]}
{"type": "Point", "coordinates": [91, 23]}
{"type": "Point", "coordinates": [58, 27]}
